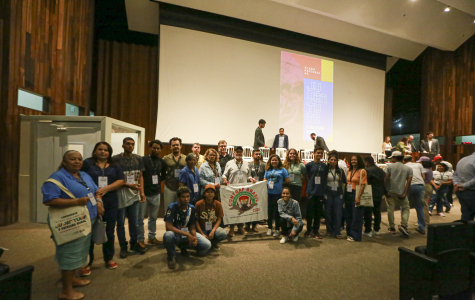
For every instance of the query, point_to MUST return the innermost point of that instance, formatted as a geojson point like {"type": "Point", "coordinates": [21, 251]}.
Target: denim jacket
{"type": "Point", "coordinates": [207, 175]}
{"type": "Point", "coordinates": [289, 210]}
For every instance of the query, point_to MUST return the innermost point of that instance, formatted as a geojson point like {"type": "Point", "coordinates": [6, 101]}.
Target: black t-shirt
{"type": "Point", "coordinates": [153, 166]}
{"type": "Point", "coordinates": [113, 173]}
{"type": "Point", "coordinates": [223, 160]}
{"type": "Point", "coordinates": [178, 217]}
{"type": "Point", "coordinates": [375, 177]}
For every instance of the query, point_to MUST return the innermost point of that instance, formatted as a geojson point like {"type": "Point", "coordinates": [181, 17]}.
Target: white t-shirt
{"type": "Point", "coordinates": [442, 176]}
{"type": "Point", "coordinates": [281, 141]}
{"type": "Point", "coordinates": [417, 171]}
{"type": "Point", "coordinates": [387, 146]}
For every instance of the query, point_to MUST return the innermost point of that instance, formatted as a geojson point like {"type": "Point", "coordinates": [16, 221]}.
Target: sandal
{"type": "Point", "coordinates": [318, 236]}
{"type": "Point", "coordinates": [81, 282]}
{"type": "Point", "coordinates": [77, 296]}
{"type": "Point", "coordinates": [339, 237]}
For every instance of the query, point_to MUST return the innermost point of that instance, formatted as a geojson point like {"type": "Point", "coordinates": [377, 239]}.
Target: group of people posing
{"type": "Point", "coordinates": [126, 185]}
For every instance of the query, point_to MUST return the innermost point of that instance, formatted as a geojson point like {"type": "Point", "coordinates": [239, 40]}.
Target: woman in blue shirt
{"type": "Point", "coordinates": [109, 177]}
{"type": "Point", "coordinates": [190, 178]}
{"type": "Point", "coordinates": [72, 255]}
{"type": "Point", "coordinates": [275, 176]}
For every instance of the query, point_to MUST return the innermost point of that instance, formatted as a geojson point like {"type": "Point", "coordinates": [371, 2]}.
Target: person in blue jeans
{"type": "Point", "coordinates": [336, 181]}
{"type": "Point", "coordinates": [275, 176]}
{"type": "Point", "coordinates": [441, 181]}
{"type": "Point", "coordinates": [290, 217]}
{"type": "Point", "coordinates": [375, 177]}
{"type": "Point", "coordinates": [354, 212]}
{"type": "Point", "coordinates": [317, 172]}
{"type": "Point", "coordinates": [190, 178]}
{"type": "Point", "coordinates": [180, 223]}
{"type": "Point", "coordinates": [464, 186]}
{"type": "Point", "coordinates": [417, 191]}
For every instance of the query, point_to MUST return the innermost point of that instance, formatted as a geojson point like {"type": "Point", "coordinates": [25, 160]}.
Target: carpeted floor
{"type": "Point", "coordinates": [253, 267]}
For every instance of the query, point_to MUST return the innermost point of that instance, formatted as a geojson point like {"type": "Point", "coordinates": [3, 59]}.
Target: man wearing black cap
{"type": "Point", "coordinates": [259, 140]}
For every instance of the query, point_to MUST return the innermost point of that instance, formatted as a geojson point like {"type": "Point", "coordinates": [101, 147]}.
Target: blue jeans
{"type": "Point", "coordinates": [131, 213]}
{"type": "Point", "coordinates": [273, 210]}
{"type": "Point", "coordinates": [416, 193]}
{"type": "Point", "coordinates": [467, 204]}
{"type": "Point", "coordinates": [153, 204]}
{"type": "Point", "coordinates": [356, 214]}
{"type": "Point", "coordinates": [333, 206]}
{"type": "Point", "coordinates": [440, 198]}
{"type": "Point", "coordinates": [171, 239]}
{"type": "Point", "coordinates": [219, 235]}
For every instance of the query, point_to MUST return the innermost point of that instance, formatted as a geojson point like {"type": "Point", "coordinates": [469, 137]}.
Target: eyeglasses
{"type": "Point", "coordinates": [222, 146]}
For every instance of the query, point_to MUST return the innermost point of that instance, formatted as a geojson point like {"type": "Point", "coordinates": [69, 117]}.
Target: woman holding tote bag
{"type": "Point", "coordinates": [354, 211]}
{"type": "Point", "coordinates": [73, 254]}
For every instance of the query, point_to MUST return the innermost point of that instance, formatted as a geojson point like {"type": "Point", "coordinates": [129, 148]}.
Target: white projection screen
{"type": "Point", "coordinates": [213, 87]}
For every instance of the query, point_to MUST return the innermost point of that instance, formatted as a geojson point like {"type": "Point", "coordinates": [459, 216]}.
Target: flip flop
{"type": "Point", "coordinates": [85, 282]}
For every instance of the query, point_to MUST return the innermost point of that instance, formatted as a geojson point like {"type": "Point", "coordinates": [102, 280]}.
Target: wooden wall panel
{"type": "Point", "coordinates": [448, 86]}
{"type": "Point", "coordinates": [49, 52]}
{"type": "Point", "coordinates": [126, 84]}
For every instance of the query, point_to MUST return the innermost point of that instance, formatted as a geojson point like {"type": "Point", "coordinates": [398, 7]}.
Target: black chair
{"type": "Point", "coordinates": [16, 285]}
{"type": "Point", "coordinates": [446, 275]}
{"type": "Point", "coordinates": [445, 236]}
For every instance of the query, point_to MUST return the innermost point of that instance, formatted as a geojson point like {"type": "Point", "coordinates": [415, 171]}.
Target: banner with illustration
{"type": "Point", "coordinates": [244, 202]}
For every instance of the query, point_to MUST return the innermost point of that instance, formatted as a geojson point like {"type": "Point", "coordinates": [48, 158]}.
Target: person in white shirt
{"type": "Point", "coordinates": [237, 171]}
{"type": "Point", "coordinates": [417, 191]}
{"type": "Point", "coordinates": [441, 182]}
{"type": "Point", "coordinates": [281, 140]}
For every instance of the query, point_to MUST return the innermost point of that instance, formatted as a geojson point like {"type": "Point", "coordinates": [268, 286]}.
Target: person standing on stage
{"type": "Point", "coordinates": [155, 170]}
{"type": "Point", "coordinates": [130, 194]}
{"type": "Point", "coordinates": [387, 146]}
{"type": "Point", "coordinates": [259, 140]}
{"type": "Point", "coordinates": [174, 163]}
{"type": "Point", "coordinates": [430, 145]}
{"type": "Point", "coordinates": [199, 158]}
{"type": "Point", "coordinates": [281, 140]}
{"type": "Point", "coordinates": [237, 171]}
{"type": "Point", "coordinates": [319, 142]}
{"type": "Point", "coordinates": [411, 146]}
{"type": "Point", "coordinates": [317, 172]}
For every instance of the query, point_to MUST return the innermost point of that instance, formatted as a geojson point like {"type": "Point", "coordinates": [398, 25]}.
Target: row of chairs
{"type": "Point", "coordinates": [306, 154]}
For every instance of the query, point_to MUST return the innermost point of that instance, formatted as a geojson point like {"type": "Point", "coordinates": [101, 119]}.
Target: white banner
{"type": "Point", "coordinates": [244, 202]}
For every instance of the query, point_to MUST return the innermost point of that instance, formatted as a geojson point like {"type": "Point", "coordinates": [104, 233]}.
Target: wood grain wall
{"type": "Point", "coordinates": [47, 49]}
{"type": "Point", "coordinates": [448, 87]}
{"type": "Point", "coordinates": [126, 83]}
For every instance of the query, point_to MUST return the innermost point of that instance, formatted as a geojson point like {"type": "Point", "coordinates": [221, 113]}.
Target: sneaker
{"type": "Point", "coordinates": [241, 231]}
{"type": "Point", "coordinates": [276, 233]}
{"type": "Point", "coordinates": [123, 252]}
{"type": "Point", "coordinates": [269, 232]}
{"type": "Point", "coordinates": [295, 238]}
{"type": "Point", "coordinates": [350, 239]}
{"type": "Point", "coordinates": [111, 265]}
{"type": "Point", "coordinates": [139, 248]}
{"type": "Point", "coordinates": [86, 271]}
{"type": "Point", "coordinates": [284, 240]}
{"type": "Point", "coordinates": [307, 233]}
{"type": "Point", "coordinates": [392, 231]}
{"type": "Point", "coordinates": [447, 209]}
{"type": "Point", "coordinates": [376, 232]}
{"type": "Point", "coordinates": [441, 215]}
{"type": "Point", "coordinates": [184, 252]}
{"type": "Point", "coordinates": [215, 245]}
{"type": "Point", "coordinates": [171, 262]}
{"type": "Point", "coordinates": [403, 230]}
{"type": "Point", "coordinates": [420, 231]}
{"type": "Point", "coordinates": [255, 229]}
{"type": "Point", "coordinates": [367, 234]}
{"type": "Point", "coordinates": [154, 241]}
{"type": "Point", "coordinates": [430, 213]}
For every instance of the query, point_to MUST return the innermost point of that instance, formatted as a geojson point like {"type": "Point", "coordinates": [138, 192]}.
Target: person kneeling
{"type": "Point", "coordinates": [290, 217]}
{"type": "Point", "coordinates": [210, 214]}
{"type": "Point", "coordinates": [180, 223]}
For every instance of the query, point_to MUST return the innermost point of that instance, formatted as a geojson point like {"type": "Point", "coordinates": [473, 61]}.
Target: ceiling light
{"type": "Point", "coordinates": [447, 9]}
{"type": "Point", "coordinates": [400, 125]}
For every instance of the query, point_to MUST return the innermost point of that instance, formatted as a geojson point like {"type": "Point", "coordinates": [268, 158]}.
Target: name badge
{"type": "Point", "coordinates": [349, 188]}
{"type": "Point", "coordinates": [216, 180]}
{"type": "Point", "coordinates": [208, 226]}
{"type": "Point", "coordinates": [195, 188]}
{"type": "Point", "coordinates": [130, 179]}
{"type": "Point", "coordinates": [92, 199]}
{"type": "Point", "coordinates": [334, 186]}
{"type": "Point", "coordinates": [318, 180]}
{"type": "Point", "coordinates": [240, 176]}
{"type": "Point", "coordinates": [177, 173]}
{"type": "Point", "coordinates": [154, 179]}
{"type": "Point", "coordinates": [102, 181]}
{"type": "Point", "coordinates": [291, 177]}
{"type": "Point", "coordinates": [271, 185]}
{"type": "Point", "coordinates": [185, 230]}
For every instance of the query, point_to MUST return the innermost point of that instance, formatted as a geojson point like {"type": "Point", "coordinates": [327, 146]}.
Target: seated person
{"type": "Point", "coordinates": [210, 214]}
{"type": "Point", "coordinates": [291, 223]}
{"type": "Point", "coordinates": [180, 223]}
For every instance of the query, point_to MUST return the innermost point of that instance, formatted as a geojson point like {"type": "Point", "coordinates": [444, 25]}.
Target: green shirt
{"type": "Point", "coordinates": [171, 181]}
{"type": "Point", "coordinates": [297, 171]}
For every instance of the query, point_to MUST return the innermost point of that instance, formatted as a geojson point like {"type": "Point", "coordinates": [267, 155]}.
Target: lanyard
{"type": "Point", "coordinates": [239, 166]}
{"type": "Point", "coordinates": [352, 174]}
{"type": "Point", "coordinates": [82, 182]}
{"type": "Point", "coordinates": [103, 170]}
{"type": "Point", "coordinates": [214, 169]}
{"type": "Point", "coordinates": [272, 175]}
{"type": "Point", "coordinates": [334, 175]}
{"type": "Point", "coordinates": [177, 162]}
{"type": "Point", "coordinates": [187, 217]}
{"type": "Point", "coordinates": [154, 166]}
{"type": "Point", "coordinates": [129, 163]}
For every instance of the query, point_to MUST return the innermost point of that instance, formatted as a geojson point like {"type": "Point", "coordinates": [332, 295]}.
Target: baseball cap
{"type": "Point", "coordinates": [210, 186]}
{"type": "Point", "coordinates": [423, 158]}
{"type": "Point", "coordinates": [396, 154]}
{"type": "Point", "coordinates": [238, 148]}
{"type": "Point", "coordinates": [437, 157]}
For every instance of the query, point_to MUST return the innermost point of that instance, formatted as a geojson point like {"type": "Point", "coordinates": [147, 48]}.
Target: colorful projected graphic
{"type": "Point", "coordinates": [306, 96]}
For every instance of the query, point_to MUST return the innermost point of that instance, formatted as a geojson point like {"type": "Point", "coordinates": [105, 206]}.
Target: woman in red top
{"type": "Point", "coordinates": [353, 211]}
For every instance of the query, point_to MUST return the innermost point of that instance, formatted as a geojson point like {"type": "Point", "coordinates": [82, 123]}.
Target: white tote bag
{"type": "Point", "coordinates": [68, 223]}
{"type": "Point", "coordinates": [366, 199]}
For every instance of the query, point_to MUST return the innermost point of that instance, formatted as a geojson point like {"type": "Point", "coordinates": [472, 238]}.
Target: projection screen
{"type": "Point", "coordinates": [213, 87]}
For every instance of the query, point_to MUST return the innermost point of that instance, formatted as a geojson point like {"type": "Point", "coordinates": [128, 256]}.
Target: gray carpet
{"type": "Point", "coordinates": [253, 267]}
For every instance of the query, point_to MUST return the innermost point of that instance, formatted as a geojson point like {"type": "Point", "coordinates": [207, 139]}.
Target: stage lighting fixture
{"type": "Point", "coordinates": [400, 125]}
